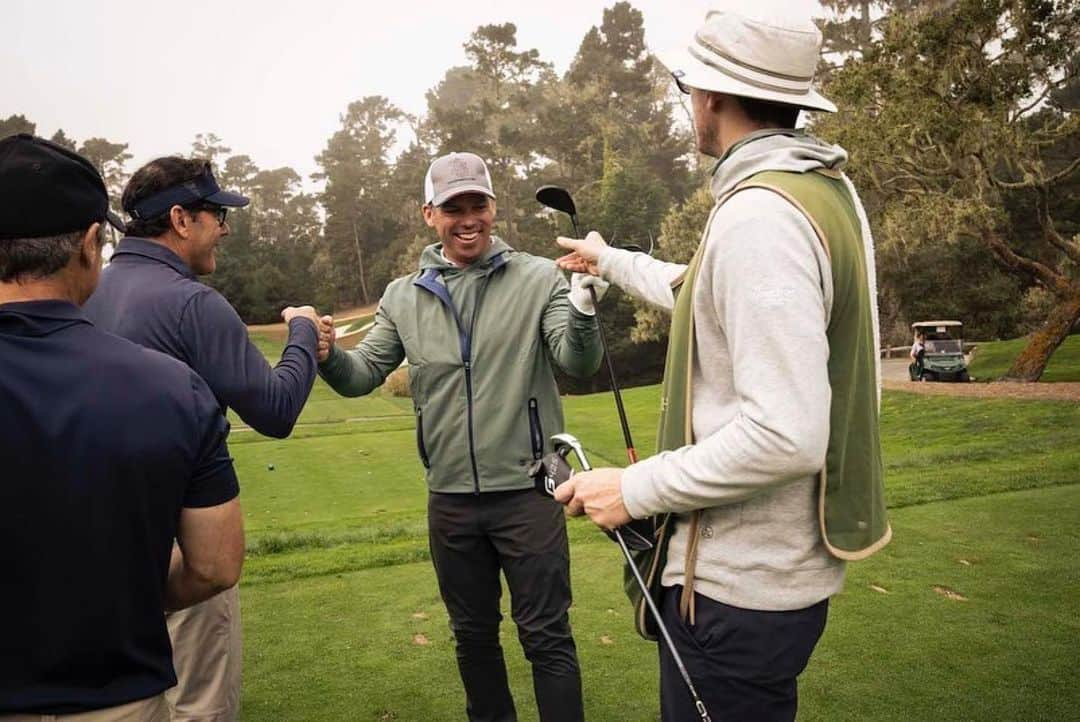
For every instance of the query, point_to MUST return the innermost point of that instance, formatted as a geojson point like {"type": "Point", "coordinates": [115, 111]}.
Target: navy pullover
{"type": "Point", "coordinates": [102, 443]}
{"type": "Point", "coordinates": [149, 296]}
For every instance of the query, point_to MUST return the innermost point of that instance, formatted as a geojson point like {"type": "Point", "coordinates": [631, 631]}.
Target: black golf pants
{"type": "Point", "coordinates": [744, 663]}
{"type": "Point", "coordinates": [523, 534]}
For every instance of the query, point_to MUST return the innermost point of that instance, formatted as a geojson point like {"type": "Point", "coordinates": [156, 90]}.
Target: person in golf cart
{"type": "Point", "coordinates": [942, 357]}
{"type": "Point", "coordinates": [772, 373]}
{"type": "Point", "coordinates": [917, 354]}
{"type": "Point", "coordinates": [482, 326]}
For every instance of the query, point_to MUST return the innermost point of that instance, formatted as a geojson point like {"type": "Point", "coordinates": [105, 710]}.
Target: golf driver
{"type": "Point", "coordinates": [559, 199]}
{"type": "Point", "coordinates": [551, 471]}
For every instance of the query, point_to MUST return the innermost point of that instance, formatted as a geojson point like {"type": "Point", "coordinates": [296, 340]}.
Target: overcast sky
{"type": "Point", "coordinates": [270, 81]}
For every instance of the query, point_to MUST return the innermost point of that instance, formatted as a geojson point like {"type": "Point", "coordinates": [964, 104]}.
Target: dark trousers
{"type": "Point", "coordinates": [522, 534]}
{"type": "Point", "coordinates": [743, 663]}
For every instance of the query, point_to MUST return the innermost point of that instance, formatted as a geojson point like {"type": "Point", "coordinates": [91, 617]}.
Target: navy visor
{"type": "Point", "coordinates": [201, 189]}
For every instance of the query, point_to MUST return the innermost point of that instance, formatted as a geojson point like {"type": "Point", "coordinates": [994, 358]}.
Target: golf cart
{"type": "Point", "coordinates": [943, 356]}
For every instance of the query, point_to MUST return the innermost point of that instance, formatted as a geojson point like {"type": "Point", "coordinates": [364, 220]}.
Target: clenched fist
{"type": "Point", "coordinates": [308, 312]}
{"type": "Point", "coordinates": [327, 335]}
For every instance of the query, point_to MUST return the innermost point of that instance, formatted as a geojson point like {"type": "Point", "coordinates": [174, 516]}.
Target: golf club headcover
{"type": "Point", "coordinates": [550, 471]}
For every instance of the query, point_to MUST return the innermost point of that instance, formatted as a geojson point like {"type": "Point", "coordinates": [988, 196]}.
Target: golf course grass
{"type": "Point", "coordinates": [993, 359]}
{"type": "Point", "coordinates": [972, 613]}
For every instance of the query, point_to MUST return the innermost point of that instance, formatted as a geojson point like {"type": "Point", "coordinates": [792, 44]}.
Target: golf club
{"type": "Point", "coordinates": [559, 199]}
{"type": "Point", "coordinates": [551, 471]}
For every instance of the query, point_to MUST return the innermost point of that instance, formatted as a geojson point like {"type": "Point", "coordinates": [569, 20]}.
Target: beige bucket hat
{"type": "Point", "coordinates": [765, 58]}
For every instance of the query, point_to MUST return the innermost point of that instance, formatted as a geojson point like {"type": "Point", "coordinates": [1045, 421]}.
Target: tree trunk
{"type": "Point", "coordinates": [1031, 362]}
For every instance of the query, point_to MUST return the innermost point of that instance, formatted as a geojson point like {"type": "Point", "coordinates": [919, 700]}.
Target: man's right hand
{"type": "Point", "coordinates": [327, 336]}
{"type": "Point", "coordinates": [584, 253]}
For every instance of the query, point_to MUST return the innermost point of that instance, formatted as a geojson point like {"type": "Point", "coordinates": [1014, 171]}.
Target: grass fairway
{"type": "Point", "coordinates": [993, 359]}
{"type": "Point", "coordinates": [900, 645]}
{"type": "Point", "coordinates": [343, 621]}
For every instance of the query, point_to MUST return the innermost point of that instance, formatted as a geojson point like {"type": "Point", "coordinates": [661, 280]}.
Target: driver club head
{"type": "Point", "coordinates": [557, 198]}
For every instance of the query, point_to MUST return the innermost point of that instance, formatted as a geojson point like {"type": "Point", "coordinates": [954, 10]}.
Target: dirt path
{"type": "Point", "coordinates": [894, 375]}
{"type": "Point", "coordinates": [999, 389]}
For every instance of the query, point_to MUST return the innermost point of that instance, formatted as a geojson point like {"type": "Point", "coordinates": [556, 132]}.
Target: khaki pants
{"type": "Point", "coordinates": [208, 656]}
{"type": "Point", "coordinates": [152, 709]}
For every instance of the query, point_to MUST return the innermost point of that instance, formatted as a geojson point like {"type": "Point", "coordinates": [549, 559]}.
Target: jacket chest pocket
{"type": "Point", "coordinates": [536, 430]}
{"type": "Point", "coordinates": [420, 448]}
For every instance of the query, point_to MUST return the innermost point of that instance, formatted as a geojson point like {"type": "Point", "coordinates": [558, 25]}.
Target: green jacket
{"type": "Point", "coordinates": [481, 342]}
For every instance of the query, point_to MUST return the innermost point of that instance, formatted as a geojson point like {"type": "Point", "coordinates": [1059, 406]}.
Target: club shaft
{"type": "Point", "coordinates": [631, 452]}
{"type": "Point", "coordinates": [664, 634]}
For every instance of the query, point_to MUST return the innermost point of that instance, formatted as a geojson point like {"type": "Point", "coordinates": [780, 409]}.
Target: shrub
{"type": "Point", "coordinates": [397, 383]}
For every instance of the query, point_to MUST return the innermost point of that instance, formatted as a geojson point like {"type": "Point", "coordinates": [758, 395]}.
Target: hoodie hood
{"type": "Point", "coordinates": [432, 256]}
{"type": "Point", "coordinates": [782, 149]}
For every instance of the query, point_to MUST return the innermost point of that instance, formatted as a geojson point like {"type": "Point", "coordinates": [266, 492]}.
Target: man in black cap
{"type": "Point", "coordinates": [149, 294]}
{"type": "Point", "coordinates": [109, 452]}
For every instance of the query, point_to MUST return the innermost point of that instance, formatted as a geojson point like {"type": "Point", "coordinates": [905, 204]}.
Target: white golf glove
{"type": "Point", "coordinates": [579, 291]}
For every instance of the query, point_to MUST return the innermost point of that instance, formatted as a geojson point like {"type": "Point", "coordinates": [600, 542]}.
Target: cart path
{"type": "Point", "coordinates": [1063, 391]}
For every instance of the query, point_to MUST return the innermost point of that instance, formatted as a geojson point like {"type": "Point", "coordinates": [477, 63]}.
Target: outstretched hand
{"type": "Point", "coordinates": [584, 253]}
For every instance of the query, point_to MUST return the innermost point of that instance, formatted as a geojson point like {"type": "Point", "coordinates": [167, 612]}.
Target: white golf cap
{"type": "Point", "coordinates": [454, 174]}
{"type": "Point", "coordinates": [769, 59]}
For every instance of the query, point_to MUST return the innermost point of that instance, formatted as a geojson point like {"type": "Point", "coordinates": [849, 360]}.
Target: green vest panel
{"type": "Point", "coordinates": [851, 493]}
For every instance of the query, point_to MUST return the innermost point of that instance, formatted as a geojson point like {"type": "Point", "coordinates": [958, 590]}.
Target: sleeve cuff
{"type": "Point", "coordinates": [608, 258]}
{"type": "Point", "coordinates": [639, 492]}
{"type": "Point", "coordinates": [300, 327]}
{"type": "Point", "coordinates": [579, 314]}
{"type": "Point", "coordinates": [332, 361]}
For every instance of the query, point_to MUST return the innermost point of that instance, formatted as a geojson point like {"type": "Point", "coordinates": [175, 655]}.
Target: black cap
{"type": "Point", "coordinates": [46, 190]}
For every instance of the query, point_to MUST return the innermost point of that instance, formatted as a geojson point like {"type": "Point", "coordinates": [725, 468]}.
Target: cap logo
{"type": "Point", "coordinates": [459, 167]}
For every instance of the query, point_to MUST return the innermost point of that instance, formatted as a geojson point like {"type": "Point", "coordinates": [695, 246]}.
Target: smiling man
{"type": "Point", "coordinates": [482, 325]}
{"type": "Point", "coordinates": [149, 294]}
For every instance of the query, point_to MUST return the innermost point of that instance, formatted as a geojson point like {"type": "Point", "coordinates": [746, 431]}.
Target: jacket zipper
{"type": "Point", "coordinates": [469, 387]}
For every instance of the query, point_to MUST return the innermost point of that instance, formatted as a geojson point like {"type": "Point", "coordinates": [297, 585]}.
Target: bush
{"type": "Point", "coordinates": [397, 383]}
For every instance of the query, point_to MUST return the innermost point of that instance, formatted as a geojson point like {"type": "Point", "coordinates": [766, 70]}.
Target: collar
{"type": "Point", "coordinates": [39, 318]}
{"type": "Point", "coordinates": [756, 135]}
{"type": "Point", "coordinates": [145, 248]}
{"type": "Point", "coordinates": [494, 257]}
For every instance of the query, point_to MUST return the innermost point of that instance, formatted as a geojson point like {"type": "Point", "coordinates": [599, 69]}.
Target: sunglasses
{"type": "Point", "coordinates": [679, 84]}
{"type": "Point", "coordinates": [219, 213]}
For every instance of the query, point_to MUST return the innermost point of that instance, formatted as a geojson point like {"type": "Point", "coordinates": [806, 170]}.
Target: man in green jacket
{"type": "Point", "coordinates": [481, 326]}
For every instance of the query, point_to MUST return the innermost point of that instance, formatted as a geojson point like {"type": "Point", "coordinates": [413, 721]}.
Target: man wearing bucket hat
{"type": "Point", "coordinates": [108, 452]}
{"type": "Point", "coordinates": [149, 294]}
{"type": "Point", "coordinates": [769, 456]}
{"type": "Point", "coordinates": [482, 326]}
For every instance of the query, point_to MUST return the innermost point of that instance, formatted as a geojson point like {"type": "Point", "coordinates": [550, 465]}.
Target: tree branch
{"type": "Point", "coordinates": [1021, 112]}
{"type": "Point", "coordinates": [1042, 273]}
{"type": "Point", "coordinates": [1061, 130]}
{"type": "Point", "coordinates": [1070, 248]}
{"type": "Point", "coordinates": [1062, 174]}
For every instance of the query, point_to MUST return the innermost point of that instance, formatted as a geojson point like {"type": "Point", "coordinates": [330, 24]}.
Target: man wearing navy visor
{"type": "Point", "coordinates": [150, 294]}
